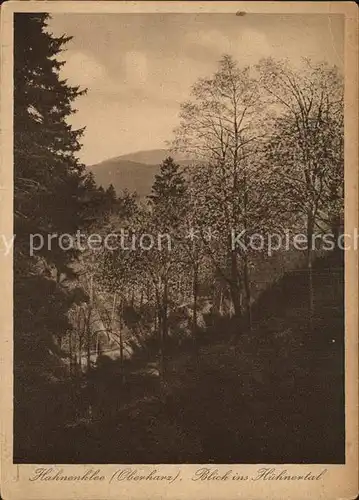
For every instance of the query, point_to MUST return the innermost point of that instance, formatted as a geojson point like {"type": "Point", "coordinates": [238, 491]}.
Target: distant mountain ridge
{"type": "Point", "coordinates": [153, 156]}
{"type": "Point", "coordinates": [134, 171]}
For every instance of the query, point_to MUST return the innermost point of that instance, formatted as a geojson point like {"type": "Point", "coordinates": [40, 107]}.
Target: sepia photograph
{"type": "Point", "coordinates": [179, 249]}
{"type": "Point", "coordinates": [178, 244]}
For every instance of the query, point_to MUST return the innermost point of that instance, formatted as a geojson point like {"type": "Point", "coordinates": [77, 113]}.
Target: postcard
{"type": "Point", "coordinates": [179, 236]}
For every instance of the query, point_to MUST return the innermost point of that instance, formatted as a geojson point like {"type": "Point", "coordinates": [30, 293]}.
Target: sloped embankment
{"type": "Point", "coordinates": [274, 397]}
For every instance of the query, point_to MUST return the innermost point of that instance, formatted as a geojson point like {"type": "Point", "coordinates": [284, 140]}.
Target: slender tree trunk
{"type": "Point", "coordinates": [58, 276]}
{"type": "Point", "coordinates": [247, 288]}
{"type": "Point", "coordinates": [88, 339]}
{"type": "Point", "coordinates": [148, 292]}
{"type": "Point", "coordinates": [220, 305]}
{"type": "Point", "coordinates": [133, 298]}
{"type": "Point", "coordinates": [88, 356]}
{"type": "Point", "coordinates": [114, 303]}
{"type": "Point", "coordinates": [165, 328]}
{"type": "Point", "coordinates": [156, 318]}
{"type": "Point", "coordinates": [80, 356]}
{"type": "Point", "coordinates": [88, 342]}
{"type": "Point", "coordinates": [90, 388]}
{"type": "Point", "coordinates": [98, 348]}
{"type": "Point", "coordinates": [234, 286]}
{"type": "Point", "coordinates": [310, 229]}
{"type": "Point", "coordinates": [195, 299]}
{"type": "Point", "coordinates": [121, 345]}
{"type": "Point", "coordinates": [336, 225]}
{"type": "Point", "coordinates": [71, 354]}
{"type": "Point", "coordinates": [236, 300]}
{"type": "Point", "coordinates": [78, 342]}
{"type": "Point", "coordinates": [88, 325]}
{"type": "Point", "coordinates": [158, 323]}
{"type": "Point", "coordinates": [114, 330]}
{"type": "Point", "coordinates": [235, 281]}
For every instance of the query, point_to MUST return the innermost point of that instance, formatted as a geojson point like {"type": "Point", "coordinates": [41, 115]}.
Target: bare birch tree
{"type": "Point", "coordinates": [220, 125]}
{"type": "Point", "coordinates": [305, 150]}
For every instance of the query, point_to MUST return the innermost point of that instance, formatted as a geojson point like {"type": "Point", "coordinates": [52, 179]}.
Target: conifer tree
{"type": "Point", "coordinates": [111, 193]}
{"type": "Point", "coordinates": [168, 206]}
{"type": "Point", "coordinates": [167, 194]}
{"type": "Point", "coordinates": [49, 183]}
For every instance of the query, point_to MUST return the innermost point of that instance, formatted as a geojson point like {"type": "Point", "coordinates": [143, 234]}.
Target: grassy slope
{"type": "Point", "coordinates": [275, 397]}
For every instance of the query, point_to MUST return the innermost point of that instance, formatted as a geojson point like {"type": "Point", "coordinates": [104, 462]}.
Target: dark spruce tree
{"type": "Point", "coordinates": [111, 198]}
{"type": "Point", "coordinates": [48, 176]}
{"type": "Point", "coordinates": [111, 193]}
{"type": "Point", "coordinates": [96, 204]}
{"type": "Point", "coordinates": [168, 195]}
{"type": "Point", "coordinates": [168, 206]}
{"type": "Point", "coordinates": [50, 186]}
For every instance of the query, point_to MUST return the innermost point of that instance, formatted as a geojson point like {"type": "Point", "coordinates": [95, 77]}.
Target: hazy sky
{"type": "Point", "coordinates": [138, 68]}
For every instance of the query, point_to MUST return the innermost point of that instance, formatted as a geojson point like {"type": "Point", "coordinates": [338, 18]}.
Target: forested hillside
{"type": "Point", "coordinates": [133, 172]}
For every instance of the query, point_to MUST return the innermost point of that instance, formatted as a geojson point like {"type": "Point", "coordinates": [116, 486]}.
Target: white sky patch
{"type": "Point", "coordinates": [253, 44]}
{"type": "Point", "coordinates": [33, 111]}
{"type": "Point", "coordinates": [81, 69]}
{"type": "Point", "coordinates": [212, 39]}
{"type": "Point", "coordinates": [122, 128]}
{"type": "Point", "coordinates": [136, 68]}
{"type": "Point", "coordinates": [247, 46]}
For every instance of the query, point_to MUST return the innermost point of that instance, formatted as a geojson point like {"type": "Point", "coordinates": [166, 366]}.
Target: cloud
{"type": "Point", "coordinates": [211, 40]}
{"type": "Point", "coordinates": [86, 71]}
{"type": "Point", "coordinates": [247, 46]}
{"type": "Point", "coordinates": [253, 45]}
{"type": "Point", "coordinates": [82, 69]}
{"type": "Point", "coordinates": [136, 69]}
